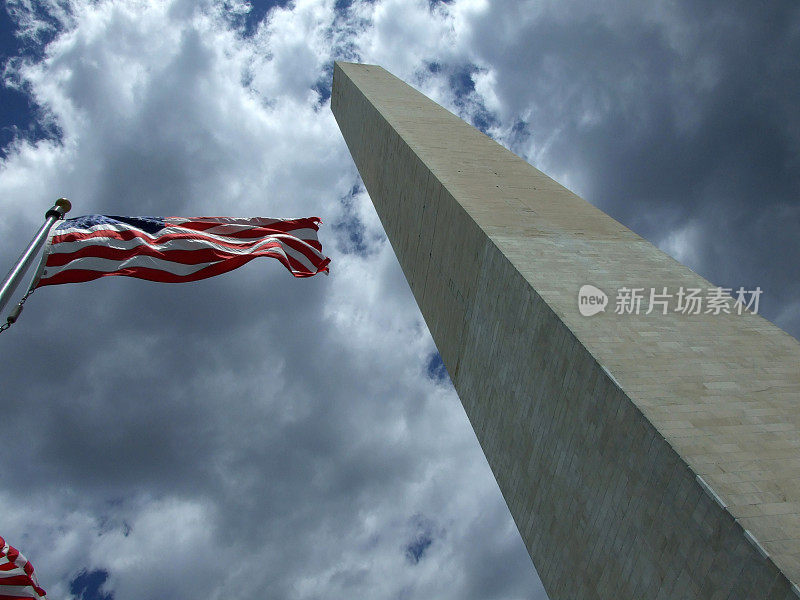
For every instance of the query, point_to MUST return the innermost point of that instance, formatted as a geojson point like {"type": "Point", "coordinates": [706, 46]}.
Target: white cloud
{"type": "Point", "coordinates": [681, 242]}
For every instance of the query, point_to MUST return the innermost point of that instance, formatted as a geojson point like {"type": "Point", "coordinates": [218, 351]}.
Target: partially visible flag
{"type": "Point", "coordinates": [17, 581]}
{"type": "Point", "coordinates": [175, 249]}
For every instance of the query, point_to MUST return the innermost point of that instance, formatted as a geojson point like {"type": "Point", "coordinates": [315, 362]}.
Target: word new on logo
{"type": "Point", "coordinates": [591, 300]}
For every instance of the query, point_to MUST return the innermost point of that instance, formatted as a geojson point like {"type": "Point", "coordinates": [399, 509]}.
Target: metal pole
{"type": "Point", "coordinates": [17, 272]}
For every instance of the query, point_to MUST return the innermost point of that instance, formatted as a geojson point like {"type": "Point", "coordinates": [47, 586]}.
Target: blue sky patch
{"type": "Point", "coordinates": [323, 85]}
{"type": "Point", "coordinates": [415, 550]}
{"type": "Point", "coordinates": [87, 584]}
{"type": "Point", "coordinates": [351, 233]}
{"type": "Point", "coordinates": [461, 82]}
{"type": "Point", "coordinates": [436, 369]}
{"type": "Point", "coordinates": [18, 117]}
{"type": "Point", "coordinates": [422, 540]}
{"type": "Point", "coordinates": [258, 10]}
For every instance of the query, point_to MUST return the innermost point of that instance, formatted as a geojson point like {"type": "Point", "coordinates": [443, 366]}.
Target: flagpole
{"type": "Point", "coordinates": [17, 272]}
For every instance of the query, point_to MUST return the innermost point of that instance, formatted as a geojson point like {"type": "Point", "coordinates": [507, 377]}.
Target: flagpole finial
{"type": "Point", "coordinates": [59, 209]}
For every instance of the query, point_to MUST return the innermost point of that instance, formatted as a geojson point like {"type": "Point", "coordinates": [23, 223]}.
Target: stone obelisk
{"type": "Point", "coordinates": [643, 454]}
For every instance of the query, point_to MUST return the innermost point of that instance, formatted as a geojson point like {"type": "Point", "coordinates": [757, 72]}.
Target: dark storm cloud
{"type": "Point", "coordinates": [678, 119]}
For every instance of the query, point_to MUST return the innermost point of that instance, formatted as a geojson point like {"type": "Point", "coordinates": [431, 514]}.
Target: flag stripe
{"type": "Point", "coordinates": [238, 228]}
{"type": "Point", "coordinates": [184, 256]}
{"type": "Point", "coordinates": [282, 224]}
{"type": "Point", "coordinates": [21, 580]}
{"type": "Point", "coordinates": [162, 276]}
{"type": "Point", "coordinates": [21, 591]}
{"type": "Point", "coordinates": [175, 233]}
{"type": "Point", "coordinates": [109, 260]}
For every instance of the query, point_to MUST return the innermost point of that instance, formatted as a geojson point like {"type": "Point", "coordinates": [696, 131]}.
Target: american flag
{"type": "Point", "coordinates": [175, 249]}
{"type": "Point", "coordinates": [17, 581]}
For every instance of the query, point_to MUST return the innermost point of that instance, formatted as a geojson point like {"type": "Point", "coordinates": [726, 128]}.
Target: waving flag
{"type": "Point", "coordinates": [175, 249]}
{"type": "Point", "coordinates": [17, 581]}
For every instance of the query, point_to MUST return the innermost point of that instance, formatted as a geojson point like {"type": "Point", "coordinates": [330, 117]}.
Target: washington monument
{"type": "Point", "coordinates": [643, 454]}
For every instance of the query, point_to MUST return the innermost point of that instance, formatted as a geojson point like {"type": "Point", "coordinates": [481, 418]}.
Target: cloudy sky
{"type": "Point", "coordinates": [260, 436]}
